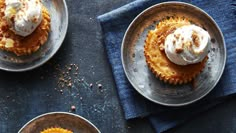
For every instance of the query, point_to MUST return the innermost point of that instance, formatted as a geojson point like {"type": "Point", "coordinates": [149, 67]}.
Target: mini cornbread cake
{"type": "Point", "coordinates": [176, 50]}
{"type": "Point", "coordinates": [56, 130]}
{"type": "Point", "coordinates": [24, 26]}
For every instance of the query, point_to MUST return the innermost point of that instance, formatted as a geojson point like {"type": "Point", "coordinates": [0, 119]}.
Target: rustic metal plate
{"type": "Point", "coordinates": [144, 81]}
{"type": "Point", "coordinates": [59, 23]}
{"type": "Point", "coordinates": [68, 121]}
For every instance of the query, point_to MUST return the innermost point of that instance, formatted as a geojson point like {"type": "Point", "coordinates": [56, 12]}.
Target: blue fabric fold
{"type": "Point", "coordinates": [114, 25]}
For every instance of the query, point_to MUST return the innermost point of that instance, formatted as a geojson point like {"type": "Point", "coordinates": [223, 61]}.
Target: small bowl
{"type": "Point", "coordinates": [64, 120]}
{"type": "Point", "coordinates": [59, 23]}
{"type": "Point", "coordinates": [145, 82]}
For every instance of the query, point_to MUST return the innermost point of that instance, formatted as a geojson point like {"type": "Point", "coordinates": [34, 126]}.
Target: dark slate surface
{"type": "Point", "coordinates": [26, 95]}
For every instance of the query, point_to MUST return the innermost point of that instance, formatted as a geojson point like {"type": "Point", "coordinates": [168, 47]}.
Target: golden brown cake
{"type": "Point", "coordinates": [19, 45]}
{"type": "Point", "coordinates": [56, 130]}
{"type": "Point", "coordinates": [157, 60]}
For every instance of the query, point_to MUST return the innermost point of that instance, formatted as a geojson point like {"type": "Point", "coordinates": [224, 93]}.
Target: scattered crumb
{"type": "Point", "coordinates": [69, 84]}
{"type": "Point", "coordinates": [99, 86]}
{"type": "Point", "coordinates": [66, 75]}
{"type": "Point", "coordinates": [91, 85]}
{"type": "Point", "coordinates": [73, 108]}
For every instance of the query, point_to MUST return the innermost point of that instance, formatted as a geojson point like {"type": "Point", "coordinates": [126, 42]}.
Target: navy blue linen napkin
{"type": "Point", "coordinates": [114, 25]}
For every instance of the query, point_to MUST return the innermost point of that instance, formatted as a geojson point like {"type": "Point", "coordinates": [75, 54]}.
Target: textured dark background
{"type": "Point", "coordinates": [26, 95]}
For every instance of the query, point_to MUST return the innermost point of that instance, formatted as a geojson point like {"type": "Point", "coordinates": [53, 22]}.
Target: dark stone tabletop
{"type": "Point", "coordinates": [66, 81]}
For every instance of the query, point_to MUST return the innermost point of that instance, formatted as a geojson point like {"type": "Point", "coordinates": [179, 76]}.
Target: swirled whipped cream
{"type": "Point", "coordinates": [23, 16]}
{"type": "Point", "coordinates": [187, 45]}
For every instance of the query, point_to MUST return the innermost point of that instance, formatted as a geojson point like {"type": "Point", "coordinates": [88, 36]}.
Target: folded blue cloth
{"type": "Point", "coordinates": [114, 25]}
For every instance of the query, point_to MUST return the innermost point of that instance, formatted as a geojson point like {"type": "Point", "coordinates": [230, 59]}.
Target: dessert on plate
{"type": "Point", "coordinates": [176, 50]}
{"type": "Point", "coordinates": [56, 130]}
{"type": "Point", "coordinates": [24, 26]}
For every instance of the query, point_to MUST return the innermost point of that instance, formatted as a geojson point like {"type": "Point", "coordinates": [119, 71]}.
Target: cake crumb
{"type": "Point", "coordinates": [69, 84]}
{"type": "Point", "coordinates": [73, 108]}
{"type": "Point", "coordinates": [91, 85]}
{"type": "Point", "coordinates": [99, 86]}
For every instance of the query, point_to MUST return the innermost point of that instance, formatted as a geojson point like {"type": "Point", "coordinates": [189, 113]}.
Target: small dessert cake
{"type": "Point", "coordinates": [176, 50]}
{"type": "Point", "coordinates": [56, 130]}
{"type": "Point", "coordinates": [24, 26]}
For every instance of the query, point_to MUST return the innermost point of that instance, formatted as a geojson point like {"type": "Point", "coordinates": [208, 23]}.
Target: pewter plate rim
{"type": "Point", "coordinates": [59, 113]}
{"type": "Point", "coordinates": [47, 58]}
{"type": "Point", "coordinates": [137, 88]}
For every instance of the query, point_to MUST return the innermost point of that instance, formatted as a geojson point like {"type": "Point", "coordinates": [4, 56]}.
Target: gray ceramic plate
{"type": "Point", "coordinates": [59, 24]}
{"type": "Point", "coordinates": [69, 121]}
{"type": "Point", "coordinates": [142, 78]}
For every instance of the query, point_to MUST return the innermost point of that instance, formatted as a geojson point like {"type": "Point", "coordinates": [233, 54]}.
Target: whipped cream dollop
{"type": "Point", "coordinates": [187, 45]}
{"type": "Point", "coordinates": [23, 16]}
